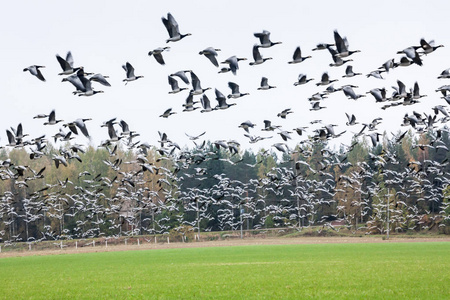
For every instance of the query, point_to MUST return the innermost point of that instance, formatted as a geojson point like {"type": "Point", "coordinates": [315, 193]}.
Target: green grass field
{"type": "Point", "coordinates": [328, 271]}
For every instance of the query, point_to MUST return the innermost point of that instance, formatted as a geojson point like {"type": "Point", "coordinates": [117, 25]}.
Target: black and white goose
{"type": "Point", "coordinates": [34, 70]}
{"type": "Point", "coordinates": [172, 28]}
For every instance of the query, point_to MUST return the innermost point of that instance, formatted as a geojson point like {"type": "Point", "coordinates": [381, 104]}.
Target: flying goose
{"type": "Point", "coordinates": [235, 91]}
{"type": "Point", "coordinates": [258, 59]}
{"type": "Point", "coordinates": [302, 79]}
{"type": "Point", "coordinates": [211, 54]}
{"type": "Point", "coordinates": [52, 119]}
{"type": "Point", "coordinates": [265, 84]}
{"type": "Point", "coordinates": [174, 85]}
{"type": "Point", "coordinates": [67, 64]}
{"type": "Point", "coordinates": [196, 87]}
{"type": "Point", "coordinates": [264, 39]}
{"type": "Point", "coordinates": [172, 28]}
{"type": "Point", "coordinates": [157, 54]}
{"type": "Point", "coordinates": [233, 63]}
{"type": "Point", "coordinates": [34, 70]}
{"type": "Point", "coordinates": [129, 70]}
{"type": "Point", "coordinates": [222, 100]}
{"type": "Point", "coordinates": [297, 57]}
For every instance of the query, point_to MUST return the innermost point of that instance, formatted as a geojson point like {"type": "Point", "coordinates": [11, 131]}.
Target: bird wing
{"type": "Point", "coordinates": [234, 87]}
{"type": "Point", "coordinates": [159, 58]}
{"type": "Point", "coordinates": [256, 54]}
{"type": "Point", "coordinates": [219, 95]}
{"type": "Point", "coordinates": [63, 63]}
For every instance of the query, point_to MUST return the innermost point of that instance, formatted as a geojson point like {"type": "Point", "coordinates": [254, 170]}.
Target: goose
{"type": "Point", "coordinates": [297, 57]}
{"type": "Point", "coordinates": [235, 91]}
{"type": "Point", "coordinates": [195, 137]}
{"type": "Point", "coordinates": [388, 65]}
{"type": "Point", "coordinates": [349, 72]}
{"type": "Point", "coordinates": [350, 93]}
{"type": "Point", "coordinates": [269, 127]}
{"type": "Point", "coordinates": [211, 54]}
{"type": "Point", "coordinates": [233, 62]}
{"type": "Point", "coordinates": [167, 113]}
{"type": "Point", "coordinates": [157, 54]}
{"type": "Point", "coordinates": [67, 64]}
{"type": "Point", "coordinates": [376, 74]}
{"type": "Point", "coordinates": [416, 92]}
{"type": "Point", "coordinates": [302, 79]}
{"type": "Point", "coordinates": [428, 47]}
{"type": "Point", "coordinates": [254, 139]}
{"type": "Point", "coordinates": [100, 79]}
{"type": "Point", "coordinates": [125, 128]}
{"type": "Point", "coordinates": [351, 120]}
{"type": "Point", "coordinates": [342, 46]}
{"type": "Point", "coordinates": [174, 85]}
{"type": "Point", "coordinates": [444, 74]}
{"type": "Point", "coordinates": [222, 101]}
{"type": "Point", "coordinates": [404, 62]}
{"type": "Point", "coordinates": [300, 130]}
{"type": "Point", "coordinates": [11, 139]}
{"type": "Point", "coordinates": [196, 87]}
{"type": "Point", "coordinates": [182, 75]}
{"type": "Point", "coordinates": [129, 70]}
{"type": "Point", "coordinates": [78, 123]}
{"type": "Point", "coordinates": [189, 105]}
{"type": "Point", "coordinates": [40, 116]}
{"type": "Point", "coordinates": [411, 53]}
{"type": "Point", "coordinates": [316, 106]}
{"type": "Point", "coordinates": [374, 138]}
{"type": "Point", "coordinates": [285, 135]}
{"type": "Point", "coordinates": [338, 61]}
{"type": "Point", "coordinates": [206, 104]}
{"type": "Point", "coordinates": [258, 59]}
{"type": "Point", "coordinates": [88, 91]}
{"type": "Point", "coordinates": [113, 137]}
{"type": "Point", "coordinates": [172, 28]}
{"type": "Point", "coordinates": [246, 125]}
{"type": "Point", "coordinates": [59, 159]}
{"type": "Point", "coordinates": [52, 119]}
{"type": "Point", "coordinates": [265, 84]}
{"type": "Point", "coordinates": [34, 70]}
{"type": "Point", "coordinates": [264, 39]}
{"type": "Point", "coordinates": [378, 94]}
{"type": "Point", "coordinates": [284, 113]}
{"type": "Point", "coordinates": [322, 46]}
{"type": "Point", "coordinates": [325, 80]}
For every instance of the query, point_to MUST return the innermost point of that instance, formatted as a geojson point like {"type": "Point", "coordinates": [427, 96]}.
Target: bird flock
{"type": "Point", "coordinates": [143, 193]}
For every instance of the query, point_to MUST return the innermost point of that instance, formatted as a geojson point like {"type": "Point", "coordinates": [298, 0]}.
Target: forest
{"type": "Point", "coordinates": [80, 192]}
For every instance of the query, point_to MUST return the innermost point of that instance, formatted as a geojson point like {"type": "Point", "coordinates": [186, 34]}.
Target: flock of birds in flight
{"type": "Point", "coordinates": [276, 180]}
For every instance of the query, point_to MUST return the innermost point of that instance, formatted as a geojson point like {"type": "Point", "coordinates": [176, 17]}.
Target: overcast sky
{"type": "Point", "coordinates": [103, 35]}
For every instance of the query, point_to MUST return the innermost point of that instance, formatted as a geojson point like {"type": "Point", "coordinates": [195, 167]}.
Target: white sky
{"type": "Point", "coordinates": [103, 35]}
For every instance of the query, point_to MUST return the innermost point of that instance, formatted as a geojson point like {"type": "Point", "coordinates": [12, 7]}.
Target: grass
{"type": "Point", "coordinates": [327, 271]}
